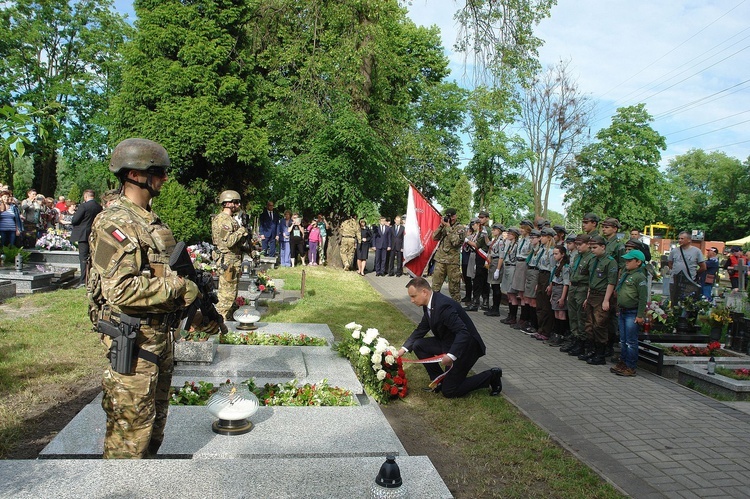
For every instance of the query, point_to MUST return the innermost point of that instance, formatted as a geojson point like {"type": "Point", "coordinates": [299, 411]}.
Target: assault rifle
{"type": "Point", "coordinates": [181, 263]}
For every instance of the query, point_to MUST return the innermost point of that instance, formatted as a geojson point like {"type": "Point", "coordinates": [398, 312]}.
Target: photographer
{"type": "Point", "coordinates": [450, 235]}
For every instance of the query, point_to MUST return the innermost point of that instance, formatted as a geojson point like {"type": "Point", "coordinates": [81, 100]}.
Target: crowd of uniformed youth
{"type": "Point", "coordinates": [582, 293]}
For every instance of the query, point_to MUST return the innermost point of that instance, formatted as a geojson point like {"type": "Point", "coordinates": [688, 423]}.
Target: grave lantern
{"type": "Point", "coordinates": [388, 483]}
{"type": "Point", "coordinates": [233, 404]}
{"type": "Point", "coordinates": [247, 316]}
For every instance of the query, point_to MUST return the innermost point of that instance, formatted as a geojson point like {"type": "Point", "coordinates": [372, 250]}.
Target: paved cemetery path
{"type": "Point", "coordinates": [649, 436]}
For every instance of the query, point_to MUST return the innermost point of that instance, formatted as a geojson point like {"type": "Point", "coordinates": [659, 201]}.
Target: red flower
{"type": "Point", "coordinates": [388, 376]}
{"type": "Point", "coordinates": [402, 393]}
{"type": "Point", "coordinates": [399, 380]}
{"type": "Point", "coordinates": [394, 390]}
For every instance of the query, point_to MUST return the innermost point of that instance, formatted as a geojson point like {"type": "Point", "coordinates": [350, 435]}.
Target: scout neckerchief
{"type": "Point", "coordinates": [539, 257]}
{"type": "Point", "coordinates": [622, 280]}
{"type": "Point", "coordinates": [512, 251]}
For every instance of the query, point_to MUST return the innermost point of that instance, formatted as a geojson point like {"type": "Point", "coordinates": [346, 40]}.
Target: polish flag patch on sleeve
{"type": "Point", "coordinates": [119, 235]}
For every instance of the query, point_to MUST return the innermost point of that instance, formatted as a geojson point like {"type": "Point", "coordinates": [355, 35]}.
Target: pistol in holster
{"type": "Point", "coordinates": [123, 341]}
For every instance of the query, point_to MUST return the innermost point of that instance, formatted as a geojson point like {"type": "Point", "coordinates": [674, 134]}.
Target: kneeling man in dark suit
{"type": "Point", "coordinates": [455, 336]}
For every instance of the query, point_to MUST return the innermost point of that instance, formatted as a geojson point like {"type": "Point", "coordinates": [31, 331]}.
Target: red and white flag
{"type": "Point", "coordinates": [422, 220]}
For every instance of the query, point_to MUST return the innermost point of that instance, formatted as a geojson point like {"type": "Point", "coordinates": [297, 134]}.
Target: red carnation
{"type": "Point", "coordinates": [394, 390]}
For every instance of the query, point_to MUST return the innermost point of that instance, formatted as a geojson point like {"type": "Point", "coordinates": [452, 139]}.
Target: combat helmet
{"type": "Point", "coordinates": [227, 196]}
{"type": "Point", "coordinates": [138, 154]}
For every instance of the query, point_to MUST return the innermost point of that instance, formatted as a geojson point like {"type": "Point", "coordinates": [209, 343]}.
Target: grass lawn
{"type": "Point", "coordinates": [487, 447]}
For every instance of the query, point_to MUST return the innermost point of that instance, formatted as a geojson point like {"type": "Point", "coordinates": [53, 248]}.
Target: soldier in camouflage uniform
{"type": "Point", "coordinates": [228, 236]}
{"type": "Point", "coordinates": [448, 254]}
{"type": "Point", "coordinates": [130, 278]}
{"type": "Point", "coordinates": [349, 230]}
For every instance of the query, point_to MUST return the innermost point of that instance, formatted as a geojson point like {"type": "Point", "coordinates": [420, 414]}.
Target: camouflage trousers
{"type": "Point", "coordinates": [136, 404]}
{"type": "Point", "coordinates": [229, 284]}
{"type": "Point", "coordinates": [451, 271]}
{"type": "Point", "coordinates": [576, 316]}
{"type": "Point", "coordinates": [347, 248]}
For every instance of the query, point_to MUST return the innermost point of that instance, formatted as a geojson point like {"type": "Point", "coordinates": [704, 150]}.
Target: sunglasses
{"type": "Point", "coordinates": [157, 171]}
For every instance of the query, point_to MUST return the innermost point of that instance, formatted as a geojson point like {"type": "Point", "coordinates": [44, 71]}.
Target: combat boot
{"type": "Point", "coordinates": [598, 359]}
{"type": "Point", "coordinates": [588, 351]}
{"type": "Point", "coordinates": [567, 344]}
{"type": "Point", "coordinates": [577, 348]}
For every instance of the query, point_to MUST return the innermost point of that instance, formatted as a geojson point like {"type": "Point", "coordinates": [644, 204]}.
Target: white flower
{"type": "Point", "coordinates": [353, 325]}
{"type": "Point", "coordinates": [377, 367]}
{"type": "Point", "coordinates": [363, 350]}
{"type": "Point", "coordinates": [381, 375]}
{"type": "Point", "coordinates": [369, 336]}
{"type": "Point", "coordinates": [376, 358]}
{"type": "Point", "coordinates": [356, 334]}
{"type": "Point", "coordinates": [390, 359]}
{"type": "Point", "coordinates": [372, 331]}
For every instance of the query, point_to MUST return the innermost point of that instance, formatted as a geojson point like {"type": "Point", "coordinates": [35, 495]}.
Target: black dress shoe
{"type": "Point", "coordinates": [471, 308]}
{"type": "Point", "coordinates": [437, 389]}
{"type": "Point", "coordinates": [496, 382]}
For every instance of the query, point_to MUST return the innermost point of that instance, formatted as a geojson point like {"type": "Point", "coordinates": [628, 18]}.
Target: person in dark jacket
{"type": "Point", "coordinates": [455, 338]}
{"type": "Point", "coordinates": [82, 220]}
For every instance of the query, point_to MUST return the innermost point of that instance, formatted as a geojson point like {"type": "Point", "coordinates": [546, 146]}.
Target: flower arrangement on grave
{"type": "Point", "coordinates": [265, 283]}
{"type": "Point", "coordinates": [55, 240]}
{"type": "Point", "coordinates": [374, 360]}
{"type": "Point", "coordinates": [201, 255]}
{"type": "Point", "coordinates": [738, 374]}
{"type": "Point", "coordinates": [280, 339]}
{"type": "Point", "coordinates": [193, 335]}
{"type": "Point", "coordinates": [694, 351]}
{"type": "Point", "coordinates": [283, 394]}
{"type": "Point", "coordinates": [719, 316]}
{"type": "Point", "coordinates": [655, 314]}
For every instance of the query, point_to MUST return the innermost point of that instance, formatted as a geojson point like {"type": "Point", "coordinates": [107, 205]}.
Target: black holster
{"type": "Point", "coordinates": [123, 341]}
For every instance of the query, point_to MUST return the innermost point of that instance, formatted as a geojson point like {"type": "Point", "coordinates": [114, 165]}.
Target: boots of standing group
{"type": "Point", "coordinates": [495, 310]}
{"type": "Point", "coordinates": [512, 314]}
{"type": "Point", "coordinates": [599, 358]}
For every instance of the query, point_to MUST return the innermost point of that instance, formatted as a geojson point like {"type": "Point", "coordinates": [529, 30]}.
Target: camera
{"type": "Point", "coordinates": [446, 219]}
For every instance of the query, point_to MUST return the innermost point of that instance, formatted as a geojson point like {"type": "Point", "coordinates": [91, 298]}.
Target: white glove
{"type": "Point", "coordinates": [496, 275]}
{"type": "Point", "coordinates": [466, 239]}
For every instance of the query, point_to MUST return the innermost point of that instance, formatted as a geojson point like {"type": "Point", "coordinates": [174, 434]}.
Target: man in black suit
{"type": "Point", "coordinates": [396, 256]}
{"type": "Point", "coordinates": [81, 222]}
{"type": "Point", "coordinates": [269, 229]}
{"type": "Point", "coordinates": [381, 240]}
{"type": "Point", "coordinates": [455, 338]}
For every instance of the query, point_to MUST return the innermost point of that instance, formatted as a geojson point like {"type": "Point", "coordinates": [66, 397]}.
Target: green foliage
{"type": "Point", "coordinates": [499, 35]}
{"type": "Point", "coordinates": [23, 176]}
{"type": "Point", "coordinates": [510, 205]}
{"type": "Point", "coordinates": [86, 173]}
{"type": "Point", "coordinates": [281, 394]}
{"type": "Point", "coordinates": [281, 339]}
{"type": "Point", "coordinates": [495, 153]}
{"type": "Point", "coordinates": [461, 199]}
{"type": "Point", "coordinates": [618, 176]}
{"type": "Point", "coordinates": [10, 253]}
{"type": "Point", "coordinates": [69, 85]}
{"type": "Point", "coordinates": [710, 192]}
{"type": "Point", "coordinates": [74, 194]}
{"type": "Point", "coordinates": [182, 208]}
{"type": "Point", "coordinates": [189, 83]}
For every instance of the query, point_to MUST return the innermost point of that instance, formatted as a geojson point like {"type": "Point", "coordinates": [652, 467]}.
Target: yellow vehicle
{"type": "Point", "coordinates": [659, 230]}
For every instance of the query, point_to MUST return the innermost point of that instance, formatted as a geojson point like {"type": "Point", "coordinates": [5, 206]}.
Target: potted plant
{"type": "Point", "coordinates": [717, 318]}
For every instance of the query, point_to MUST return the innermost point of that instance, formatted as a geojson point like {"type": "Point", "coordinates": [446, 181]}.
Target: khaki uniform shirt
{"type": "Point", "coordinates": [227, 234]}
{"type": "Point", "coordinates": [449, 248]}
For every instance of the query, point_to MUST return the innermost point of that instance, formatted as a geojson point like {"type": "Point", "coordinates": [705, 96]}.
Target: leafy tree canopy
{"type": "Point", "coordinates": [618, 175]}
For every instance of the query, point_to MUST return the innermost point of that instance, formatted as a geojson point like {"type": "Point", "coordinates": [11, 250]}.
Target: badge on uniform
{"type": "Point", "coordinates": [119, 235]}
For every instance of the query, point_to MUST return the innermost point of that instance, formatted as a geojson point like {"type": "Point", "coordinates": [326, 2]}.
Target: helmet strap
{"type": "Point", "coordinates": [144, 185]}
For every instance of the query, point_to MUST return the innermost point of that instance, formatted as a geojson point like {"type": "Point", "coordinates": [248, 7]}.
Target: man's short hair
{"type": "Point", "coordinates": [89, 192]}
{"type": "Point", "coordinates": [688, 234]}
{"type": "Point", "coordinates": [418, 283]}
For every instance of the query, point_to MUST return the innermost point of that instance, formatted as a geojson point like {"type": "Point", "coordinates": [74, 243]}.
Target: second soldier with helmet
{"type": "Point", "coordinates": [228, 236]}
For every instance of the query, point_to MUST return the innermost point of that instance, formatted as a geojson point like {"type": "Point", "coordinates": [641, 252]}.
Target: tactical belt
{"type": "Point", "coordinates": [147, 320]}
